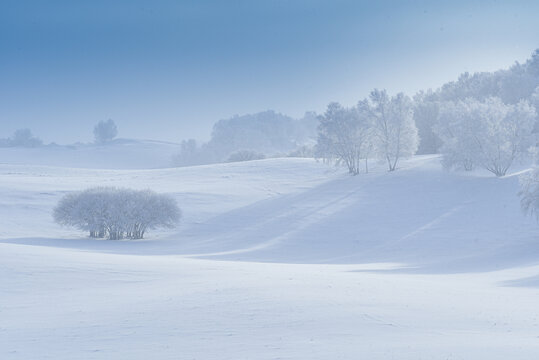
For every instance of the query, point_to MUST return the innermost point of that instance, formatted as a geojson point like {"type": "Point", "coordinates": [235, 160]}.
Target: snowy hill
{"type": "Point", "coordinates": [279, 258]}
{"type": "Point", "coordinates": [118, 154]}
{"type": "Point", "coordinates": [300, 211]}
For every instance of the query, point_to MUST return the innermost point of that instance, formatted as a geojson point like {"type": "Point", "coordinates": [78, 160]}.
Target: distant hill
{"type": "Point", "coordinates": [118, 154]}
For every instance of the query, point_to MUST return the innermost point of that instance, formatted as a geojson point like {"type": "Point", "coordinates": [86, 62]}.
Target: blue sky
{"type": "Point", "coordinates": [169, 69]}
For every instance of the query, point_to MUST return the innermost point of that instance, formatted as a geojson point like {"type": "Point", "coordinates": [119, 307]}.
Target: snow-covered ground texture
{"type": "Point", "coordinates": [274, 259]}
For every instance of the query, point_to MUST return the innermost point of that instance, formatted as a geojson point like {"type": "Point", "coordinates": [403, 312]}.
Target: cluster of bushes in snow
{"type": "Point", "coordinates": [117, 213]}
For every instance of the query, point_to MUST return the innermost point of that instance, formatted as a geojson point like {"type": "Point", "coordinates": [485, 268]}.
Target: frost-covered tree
{"type": "Point", "coordinates": [148, 210]}
{"type": "Point", "coordinates": [303, 151]}
{"type": "Point", "coordinates": [263, 132]}
{"type": "Point", "coordinates": [394, 128]}
{"type": "Point", "coordinates": [117, 213]}
{"type": "Point", "coordinates": [511, 85]}
{"type": "Point", "coordinates": [534, 101]}
{"type": "Point", "coordinates": [426, 111]}
{"type": "Point", "coordinates": [306, 129]}
{"type": "Point", "coordinates": [189, 154]}
{"type": "Point", "coordinates": [489, 134]}
{"type": "Point", "coordinates": [457, 134]}
{"type": "Point", "coordinates": [266, 133]}
{"type": "Point", "coordinates": [23, 138]}
{"type": "Point", "coordinates": [85, 210]}
{"type": "Point", "coordinates": [529, 192]}
{"type": "Point", "coordinates": [105, 131]}
{"type": "Point", "coordinates": [345, 136]}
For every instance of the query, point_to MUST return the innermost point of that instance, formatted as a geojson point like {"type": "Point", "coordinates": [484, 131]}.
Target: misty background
{"type": "Point", "coordinates": [169, 70]}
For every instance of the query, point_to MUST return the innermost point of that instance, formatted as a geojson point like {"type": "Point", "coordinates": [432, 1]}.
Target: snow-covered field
{"type": "Point", "coordinates": [274, 259]}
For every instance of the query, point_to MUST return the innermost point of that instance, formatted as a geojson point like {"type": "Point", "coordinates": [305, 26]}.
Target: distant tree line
{"type": "Point", "coordinates": [250, 137]}
{"type": "Point", "coordinates": [487, 120]}
{"type": "Point", "coordinates": [487, 134]}
{"type": "Point", "coordinates": [21, 138]}
{"type": "Point", "coordinates": [245, 155]}
{"type": "Point", "coordinates": [117, 213]}
{"type": "Point", "coordinates": [104, 131]}
{"type": "Point", "coordinates": [483, 120]}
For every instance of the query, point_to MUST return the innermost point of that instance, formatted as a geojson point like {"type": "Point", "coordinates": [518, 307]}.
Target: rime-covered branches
{"type": "Point", "coordinates": [117, 213]}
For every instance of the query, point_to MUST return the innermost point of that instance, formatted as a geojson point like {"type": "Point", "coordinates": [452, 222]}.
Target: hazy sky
{"type": "Point", "coordinates": [169, 69]}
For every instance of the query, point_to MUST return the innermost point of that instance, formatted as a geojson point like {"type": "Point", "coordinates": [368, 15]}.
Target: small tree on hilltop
{"type": "Point", "coordinates": [105, 131]}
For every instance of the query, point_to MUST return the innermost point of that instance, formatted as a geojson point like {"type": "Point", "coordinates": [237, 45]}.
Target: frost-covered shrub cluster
{"type": "Point", "coordinates": [117, 213]}
{"type": "Point", "coordinates": [380, 126]}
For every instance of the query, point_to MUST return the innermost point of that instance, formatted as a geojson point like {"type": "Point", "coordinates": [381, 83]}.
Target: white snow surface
{"type": "Point", "coordinates": [274, 259]}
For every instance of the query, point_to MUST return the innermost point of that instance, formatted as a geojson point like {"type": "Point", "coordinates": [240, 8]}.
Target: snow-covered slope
{"type": "Point", "coordinates": [30, 192]}
{"type": "Point", "coordinates": [419, 216]}
{"type": "Point", "coordinates": [280, 258]}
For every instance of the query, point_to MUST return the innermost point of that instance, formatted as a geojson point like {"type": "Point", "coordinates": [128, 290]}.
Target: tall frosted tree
{"type": "Point", "coordinates": [426, 111]}
{"type": "Point", "coordinates": [345, 135]}
{"type": "Point", "coordinates": [458, 136]}
{"type": "Point", "coordinates": [395, 132]}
